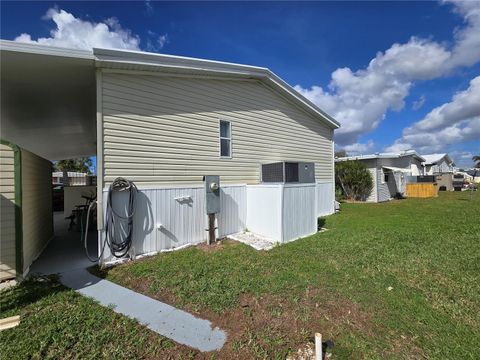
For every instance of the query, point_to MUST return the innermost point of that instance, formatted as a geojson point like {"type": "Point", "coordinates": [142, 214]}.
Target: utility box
{"type": "Point", "coordinates": [306, 173]}
{"type": "Point", "coordinates": [212, 193]}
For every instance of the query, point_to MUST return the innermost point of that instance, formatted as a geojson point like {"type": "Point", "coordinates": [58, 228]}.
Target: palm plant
{"type": "Point", "coordinates": [476, 158]}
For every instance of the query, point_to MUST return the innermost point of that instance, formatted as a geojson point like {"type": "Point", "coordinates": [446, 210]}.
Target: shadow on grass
{"type": "Point", "coordinates": [320, 223]}
{"type": "Point", "coordinates": [28, 292]}
{"type": "Point", "coordinates": [98, 271]}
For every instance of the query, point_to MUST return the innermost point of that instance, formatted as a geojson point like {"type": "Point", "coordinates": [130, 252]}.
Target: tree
{"type": "Point", "coordinates": [340, 153]}
{"type": "Point", "coordinates": [82, 164]}
{"type": "Point", "coordinates": [476, 158]}
{"type": "Point", "coordinates": [353, 179]}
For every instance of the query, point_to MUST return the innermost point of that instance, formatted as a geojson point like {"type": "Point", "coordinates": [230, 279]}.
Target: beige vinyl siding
{"type": "Point", "coordinates": [36, 205]}
{"type": "Point", "coordinates": [165, 130]}
{"type": "Point", "coordinates": [7, 220]}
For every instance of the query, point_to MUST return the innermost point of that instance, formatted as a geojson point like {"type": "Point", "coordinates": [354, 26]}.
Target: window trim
{"type": "Point", "coordinates": [220, 138]}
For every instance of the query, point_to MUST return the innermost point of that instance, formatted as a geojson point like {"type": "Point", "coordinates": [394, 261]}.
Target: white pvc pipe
{"type": "Point", "coordinates": [318, 346]}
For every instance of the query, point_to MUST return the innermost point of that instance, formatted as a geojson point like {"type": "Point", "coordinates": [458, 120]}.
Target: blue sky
{"type": "Point", "coordinates": [420, 93]}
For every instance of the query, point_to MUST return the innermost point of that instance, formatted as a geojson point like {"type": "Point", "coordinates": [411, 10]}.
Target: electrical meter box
{"type": "Point", "coordinates": [212, 193]}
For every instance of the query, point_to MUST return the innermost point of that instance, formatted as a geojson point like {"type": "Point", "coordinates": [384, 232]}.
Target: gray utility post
{"type": "Point", "coordinates": [212, 203]}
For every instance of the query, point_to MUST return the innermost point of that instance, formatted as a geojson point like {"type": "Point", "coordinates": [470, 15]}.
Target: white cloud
{"type": "Point", "coordinates": [462, 159]}
{"type": "Point", "coordinates": [359, 148]}
{"type": "Point", "coordinates": [162, 40]}
{"type": "Point", "coordinates": [360, 99]}
{"type": "Point", "coordinates": [455, 122]}
{"type": "Point", "coordinates": [155, 41]}
{"type": "Point", "coordinates": [467, 46]}
{"type": "Point", "coordinates": [76, 33]}
{"type": "Point", "coordinates": [149, 8]}
{"type": "Point", "coordinates": [417, 104]}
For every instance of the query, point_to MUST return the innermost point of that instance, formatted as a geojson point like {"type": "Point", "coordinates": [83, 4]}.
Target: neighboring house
{"type": "Point", "coordinates": [166, 121]}
{"type": "Point", "coordinates": [74, 178]}
{"type": "Point", "coordinates": [442, 167]}
{"type": "Point", "coordinates": [389, 172]}
{"type": "Point", "coordinates": [469, 175]}
{"type": "Point", "coordinates": [437, 164]}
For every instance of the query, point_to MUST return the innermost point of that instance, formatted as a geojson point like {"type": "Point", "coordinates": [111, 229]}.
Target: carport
{"type": "Point", "coordinates": [48, 112]}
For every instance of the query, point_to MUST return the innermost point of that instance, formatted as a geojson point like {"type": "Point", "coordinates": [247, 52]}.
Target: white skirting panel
{"type": "Point", "coordinates": [325, 199]}
{"type": "Point", "coordinates": [181, 213]}
{"type": "Point", "coordinates": [299, 218]}
{"type": "Point", "coordinates": [281, 212]}
{"type": "Point", "coordinates": [264, 210]}
{"type": "Point", "coordinates": [233, 213]}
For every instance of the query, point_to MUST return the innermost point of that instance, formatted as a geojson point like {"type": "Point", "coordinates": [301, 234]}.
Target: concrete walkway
{"type": "Point", "coordinates": [164, 319]}
{"type": "Point", "coordinates": [65, 251]}
{"type": "Point", "coordinates": [65, 255]}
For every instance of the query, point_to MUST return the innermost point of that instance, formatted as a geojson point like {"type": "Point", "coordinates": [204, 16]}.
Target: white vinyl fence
{"type": "Point", "coordinates": [168, 218]}
{"type": "Point", "coordinates": [171, 217]}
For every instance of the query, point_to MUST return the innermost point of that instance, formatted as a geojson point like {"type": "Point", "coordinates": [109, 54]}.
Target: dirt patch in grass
{"type": "Point", "coordinates": [216, 246]}
{"type": "Point", "coordinates": [273, 326]}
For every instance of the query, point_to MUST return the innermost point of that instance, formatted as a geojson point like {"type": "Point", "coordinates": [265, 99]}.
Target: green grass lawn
{"type": "Point", "coordinates": [57, 323]}
{"type": "Point", "coordinates": [393, 280]}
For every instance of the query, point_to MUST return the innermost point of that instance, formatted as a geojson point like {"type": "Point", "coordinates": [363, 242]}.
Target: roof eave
{"type": "Point", "coordinates": [108, 58]}
{"type": "Point", "coordinates": [7, 45]}
{"type": "Point", "coordinates": [111, 58]}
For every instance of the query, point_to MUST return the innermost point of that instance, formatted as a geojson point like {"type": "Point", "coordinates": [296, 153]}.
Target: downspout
{"type": "Point", "coordinates": [100, 172]}
{"type": "Point", "coordinates": [98, 78]}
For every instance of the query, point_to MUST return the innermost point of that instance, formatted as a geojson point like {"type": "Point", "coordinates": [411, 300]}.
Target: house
{"type": "Point", "coordinates": [164, 122]}
{"type": "Point", "coordinates": [437, 164]}
{"type": "Point", "coordinates": [442, 167]}
{"type": "Point", "coordinates": [390, 172]}
{"type": "Point", "coordinates": [74, 178]}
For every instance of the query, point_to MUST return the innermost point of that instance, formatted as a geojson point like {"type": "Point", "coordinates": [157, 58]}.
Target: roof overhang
{"type": "Point", "coordinates": [178, 65]}
{"type": "Point", "coordinates": [412, 153]}
{"type": "Point", "coordinates": [397, 169]}
{"type": "Point", "coordinates": [48, 100]}
{"type": "Point", "coordinates": [429, 160]}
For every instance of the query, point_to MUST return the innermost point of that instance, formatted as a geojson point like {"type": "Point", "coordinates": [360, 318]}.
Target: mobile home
{"type": "Point", "coordinates": [164, 122]}
{"type": "Point", "coordinates": [390, 172]}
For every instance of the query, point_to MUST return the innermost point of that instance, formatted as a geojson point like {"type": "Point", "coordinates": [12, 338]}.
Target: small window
{"type": "Point", "coordinates": [225, 139]}
{"type": "Point", "coordinates": [385, 177]}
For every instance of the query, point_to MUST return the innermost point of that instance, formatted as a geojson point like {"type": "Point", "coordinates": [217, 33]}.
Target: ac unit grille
{"type": "Point", "coordinates": [288, 172]}
{"type": "Point", "coordinates": [291, 172]}
{"type": "Point", "coordinates": [272, 172]}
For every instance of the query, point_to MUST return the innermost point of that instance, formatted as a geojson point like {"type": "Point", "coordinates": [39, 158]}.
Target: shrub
{"type": "Point", "coordinates": [353, 179]}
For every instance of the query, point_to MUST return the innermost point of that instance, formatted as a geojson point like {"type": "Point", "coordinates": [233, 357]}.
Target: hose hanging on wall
{"type": "Point", "coordinates": [117, 236]}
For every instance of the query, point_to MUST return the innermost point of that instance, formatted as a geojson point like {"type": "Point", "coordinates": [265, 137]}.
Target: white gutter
{"type": "Point", "coordinates": [7, 45]}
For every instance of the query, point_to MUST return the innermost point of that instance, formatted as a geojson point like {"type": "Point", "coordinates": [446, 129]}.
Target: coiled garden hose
{"type": "Point", "coordinates": [117, 237]}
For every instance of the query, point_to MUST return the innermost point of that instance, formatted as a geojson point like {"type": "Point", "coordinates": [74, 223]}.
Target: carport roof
{"type": "Point", "coordinates": [48, 100]}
